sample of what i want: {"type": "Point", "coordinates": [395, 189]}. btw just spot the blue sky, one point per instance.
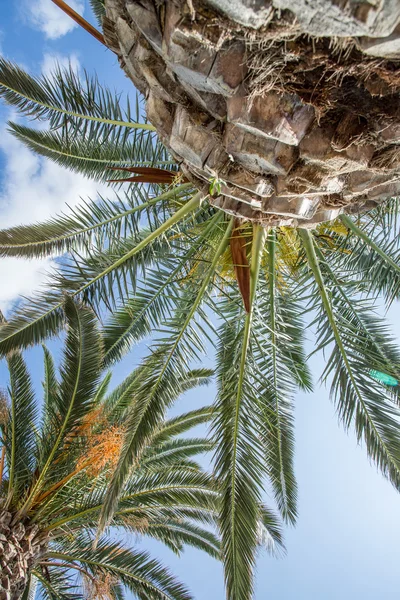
{"type": "Point", "coordinates": [345, 545]}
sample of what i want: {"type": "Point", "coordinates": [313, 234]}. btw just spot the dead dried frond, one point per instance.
{"type": "Point", "coordinates": [2, 463]}
{"type": "Point", "coordinates": [387, 159]}
{"type": "Point", "coordinates": [240, 263]}
{"type": "Point", "coordinates": [314, 68]}
{"type": "Point", "coordinates": [3, 407]}
{"type": "Point", "coordinates": [139, 524]}
{"type": "Point", "coordinates": [99, 587]}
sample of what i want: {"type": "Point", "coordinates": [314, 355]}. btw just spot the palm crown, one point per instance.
{"type": "Point", "coordinates": [55, 466]}
{"type": "Point", "coordinates": [167, 262]}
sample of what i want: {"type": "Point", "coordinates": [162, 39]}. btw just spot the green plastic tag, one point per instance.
{"type": "Point", "coordinates": [383, 378]}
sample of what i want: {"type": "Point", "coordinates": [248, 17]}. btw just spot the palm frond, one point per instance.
{"type": "Point", "coordinates": [102, 389]}
{"type": "Point", "coordinates": [120, 400]}
{"type": "Point", "coordinates": [358, 398]}
{"type": "Point", "coordinates": [51, 392]}
{"type": "Point", "coordinates": [372, 254]}
{"type": "Point", "coordinates": [175, 452]}
{"type": "Point", "coordinates": [32, 322]}
{"type": "Point", "coordinates": [143, 420]}
{"type": "Point", "coordinates": [143, 576]}
{"type": "Point", "coordinates": [99, 10]}
{"type": "Point", "coordinates": [238, 460]}
{"type": "Point", "coordinates": [79, 377]}
{"type": "Point", "coordinates": [50, 383]}
{"type": "Point", "coordinates": [181, 485]}
{"type": "Point", "coordinates": [60, 584]}
{"type": "Point", "coordinates": [157, 297]}
{"type": "Point", "coordinates": [20, 431]}
{"type": "Point", "coordinates": [67, 99]}
{"type": "Point", "coordinates": [270, 532]}
{"type": "Point", "coordinates": [373, 339]}
{"type": "Point", "coordinates": [175, 534]}
{"type": "Point", "coordinates": [173, 492]}
{"type": "Point", "coordinates": [92, 156]}
{"type": "Point", "coordinates": [182, 423]}
{"type": "Point", "coordinates": [41, 317]}
{"type": "Point", "coordinates": [166, 496]}
{"type": "Point", "coordinates": [99, 275]}
{"type": "Point", "coordinates": [159, 378]}
{"type": "Point", "coordinates": [93, 223]}
{"type": "Point", "coordinates": [281, 363]}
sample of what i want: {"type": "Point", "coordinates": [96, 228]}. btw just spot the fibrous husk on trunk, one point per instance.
{"type": "Point", "coordinates": [293, 106]}
{"type": "Point", "coordinates": [20, 548]}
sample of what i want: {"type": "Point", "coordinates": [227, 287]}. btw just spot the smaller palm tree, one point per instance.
{"type": "Point", "coordinates": [55, 465]}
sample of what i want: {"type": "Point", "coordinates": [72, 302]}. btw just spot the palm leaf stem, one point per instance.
{"type": "Point", "coordinates": [142, 206]}
{"type": "Point", "coordinates": [40, 504]}
{"type": "Point", "coordinates": [81, 21]}
{"type": "Point", "coordinates": [45, 143]}
{"type": "Point", "coordinates": [259, 234]}
{"type": "Point", "coordinates": [70, 113]}
{"type": "Point", "coordinates": [66, 565]}
{"type": "Point", "coordinates": [271, 246]}
{"type": "Point", "coordinates": [56, 486]}
{"type": "Point", "coordinates": [348, 222]}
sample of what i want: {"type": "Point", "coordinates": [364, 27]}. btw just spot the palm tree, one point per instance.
{"type": "Point", "coordinates": [55, 466]}
{"type": "Point", "coordinates": [170, 260]}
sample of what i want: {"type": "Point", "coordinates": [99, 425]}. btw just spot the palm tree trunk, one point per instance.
{"type": "Point", "coordinates": [20, 548]}
{"type": "Point", "coordinates": [292, 106]}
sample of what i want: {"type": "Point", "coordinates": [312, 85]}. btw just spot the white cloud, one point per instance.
{"type": "Point", "coordinates": [51, 60]}
{"type": "Point", "coordinates": [50, 19]}
{"type": "Point", "coordinates": [20, 279]}
{"type": "Point", "coordinates": [33, 189]}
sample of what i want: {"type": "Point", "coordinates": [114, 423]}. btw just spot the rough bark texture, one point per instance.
{"type": "Point", "coordinates": [20, 548]}
{"type": "Point", "coordinates": [293, 106]}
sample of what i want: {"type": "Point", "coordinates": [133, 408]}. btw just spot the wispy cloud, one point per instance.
{"type": "Point", "coordinates": [20, 280]}
{"type": "Point", "coordinates": [47, 17]}
{"type": "Point", "coordinates": [51, 60]}
{"type": "Point", "coordinates": [33, 189]}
